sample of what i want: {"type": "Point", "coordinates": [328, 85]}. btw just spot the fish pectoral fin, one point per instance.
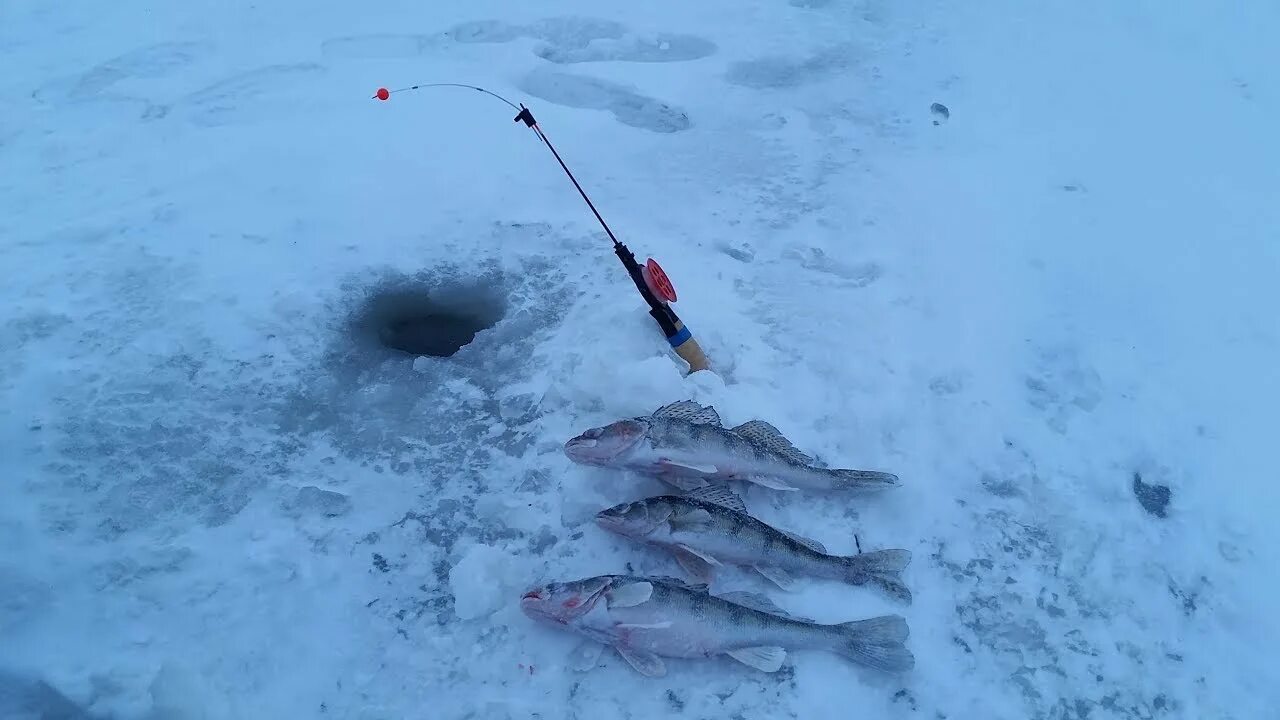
{"type": "Point", "coordinates": [585, 656]}
{"type": "Point", "coordinates": [777, 575]}
{"type": "Point", "coordinates": [693, 521]}
{"type": "Point", "coordinates": [645, 662]}
{"type": "Point", "coordinates": [705, 557]}
{"type": "Point", "coordinates": [644, 626]}
{"type": "Point", "coordinates": [685, 467]}
{"type": "Point", "coordinates": [767, 658]}
{"type": "Point", "coordinates": [770, 482]}
{"type": "Point", "coordinates": [698, 569]}
{"type": "Point", "coordinates": [694, 564]}
{"type": "Point", "coordinates": [630, 595]}
{"type": "Point", "coordinates": [684, 483]}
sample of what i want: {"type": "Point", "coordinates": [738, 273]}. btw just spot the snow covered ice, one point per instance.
{"type": "Point", "coordinates": [224, 497]}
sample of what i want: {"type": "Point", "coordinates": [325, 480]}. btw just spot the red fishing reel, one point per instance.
{"type": "Point", "coordinates": [658, 282]}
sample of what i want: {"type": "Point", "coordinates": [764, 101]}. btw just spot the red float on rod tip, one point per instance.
{"type": "Point", "coordinates": [382, 94]}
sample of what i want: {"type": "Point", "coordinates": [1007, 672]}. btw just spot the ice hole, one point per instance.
{"type": "Point", "coordinates": [431, 321]}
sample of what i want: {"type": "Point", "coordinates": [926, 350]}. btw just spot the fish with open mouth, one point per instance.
{"type": "Point", "coordinates": [684, 444]}
{"type": "Point", "coordinates": [648, 618]}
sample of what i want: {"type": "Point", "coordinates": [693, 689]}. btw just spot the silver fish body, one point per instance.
{"type": "Point", "coordinates": [711, 526]}
{"type": "Point", "coordinates": [646, 619]}
{"type": "Point", "coordinates": [685, 444]}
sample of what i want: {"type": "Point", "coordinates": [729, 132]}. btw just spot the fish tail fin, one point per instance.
{"type": "Point", "coordinates": [861, 479]}
{"type": "Point", "coordinates": [876, 643]}
{"type": "Point", "coordinates": [882, 568]}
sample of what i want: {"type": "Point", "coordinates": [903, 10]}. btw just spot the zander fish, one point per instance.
{"type": "Point", "coordinates": [685, 444]}
{"type": "Point", "coordinates": [711, 525]}
{"type": "Point", "coordinates": [646, 619]}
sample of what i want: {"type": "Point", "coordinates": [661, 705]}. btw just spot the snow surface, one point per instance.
{"type": "Point", "coordinates": [223, 499]}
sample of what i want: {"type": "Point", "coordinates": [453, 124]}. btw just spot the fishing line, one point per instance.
{"type": "Point", "coordinates": [385, 94]}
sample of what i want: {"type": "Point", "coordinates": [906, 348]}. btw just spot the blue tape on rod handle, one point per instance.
{"type": "Point", "coordinates": [679, 338]}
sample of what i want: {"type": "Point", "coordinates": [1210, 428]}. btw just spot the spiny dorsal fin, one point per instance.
{"type": "Point", "coordinates": [760, 432]}
{"type": "Point", "coordinates": [720, 495]}
{"type": "Point", "coordinates": [689, 411]}
{"type": "Point", "coordinates": [756, 601]}
{"type": "Point", "coordinates": [813, 545]}
{"type": "Point", "coordinates": [778, 576]}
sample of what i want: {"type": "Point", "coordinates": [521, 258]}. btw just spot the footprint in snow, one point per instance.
{"type": "Point", "coordinates": [627, 105]}
{"type": "Point", "coordinates": [564, 40]}
{"type": "Point", "coordinates": [147, 62]}
{"type": "Point", "coordinates": [781, 73]}
{"type": "Point", "coordinates": [859, 275]}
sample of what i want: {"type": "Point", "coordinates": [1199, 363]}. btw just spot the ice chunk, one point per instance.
{"type": "Point", "coordinates": [311, 500]}
{"type": "Point", "coordinates": [26, 697]}
{"type": "Point", "coordinates": [708, 387]}
{"type": "Point", "coordinates": [178, 693]}
{"type": "Point", "coordinates": [480, 581]}
{"type": "Point", "coordinates": [639, 387]}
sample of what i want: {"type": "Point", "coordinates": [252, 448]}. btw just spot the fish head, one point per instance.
{"type": "Point", "coordinates": [639, 519]}
{"type": "Point", "coordinates": [563, 603]}
{"type": "Point", "coordinates": [607, 446]}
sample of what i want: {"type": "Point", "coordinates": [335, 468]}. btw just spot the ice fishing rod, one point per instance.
{"type": "Point", "coordinates": [649, 279]}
